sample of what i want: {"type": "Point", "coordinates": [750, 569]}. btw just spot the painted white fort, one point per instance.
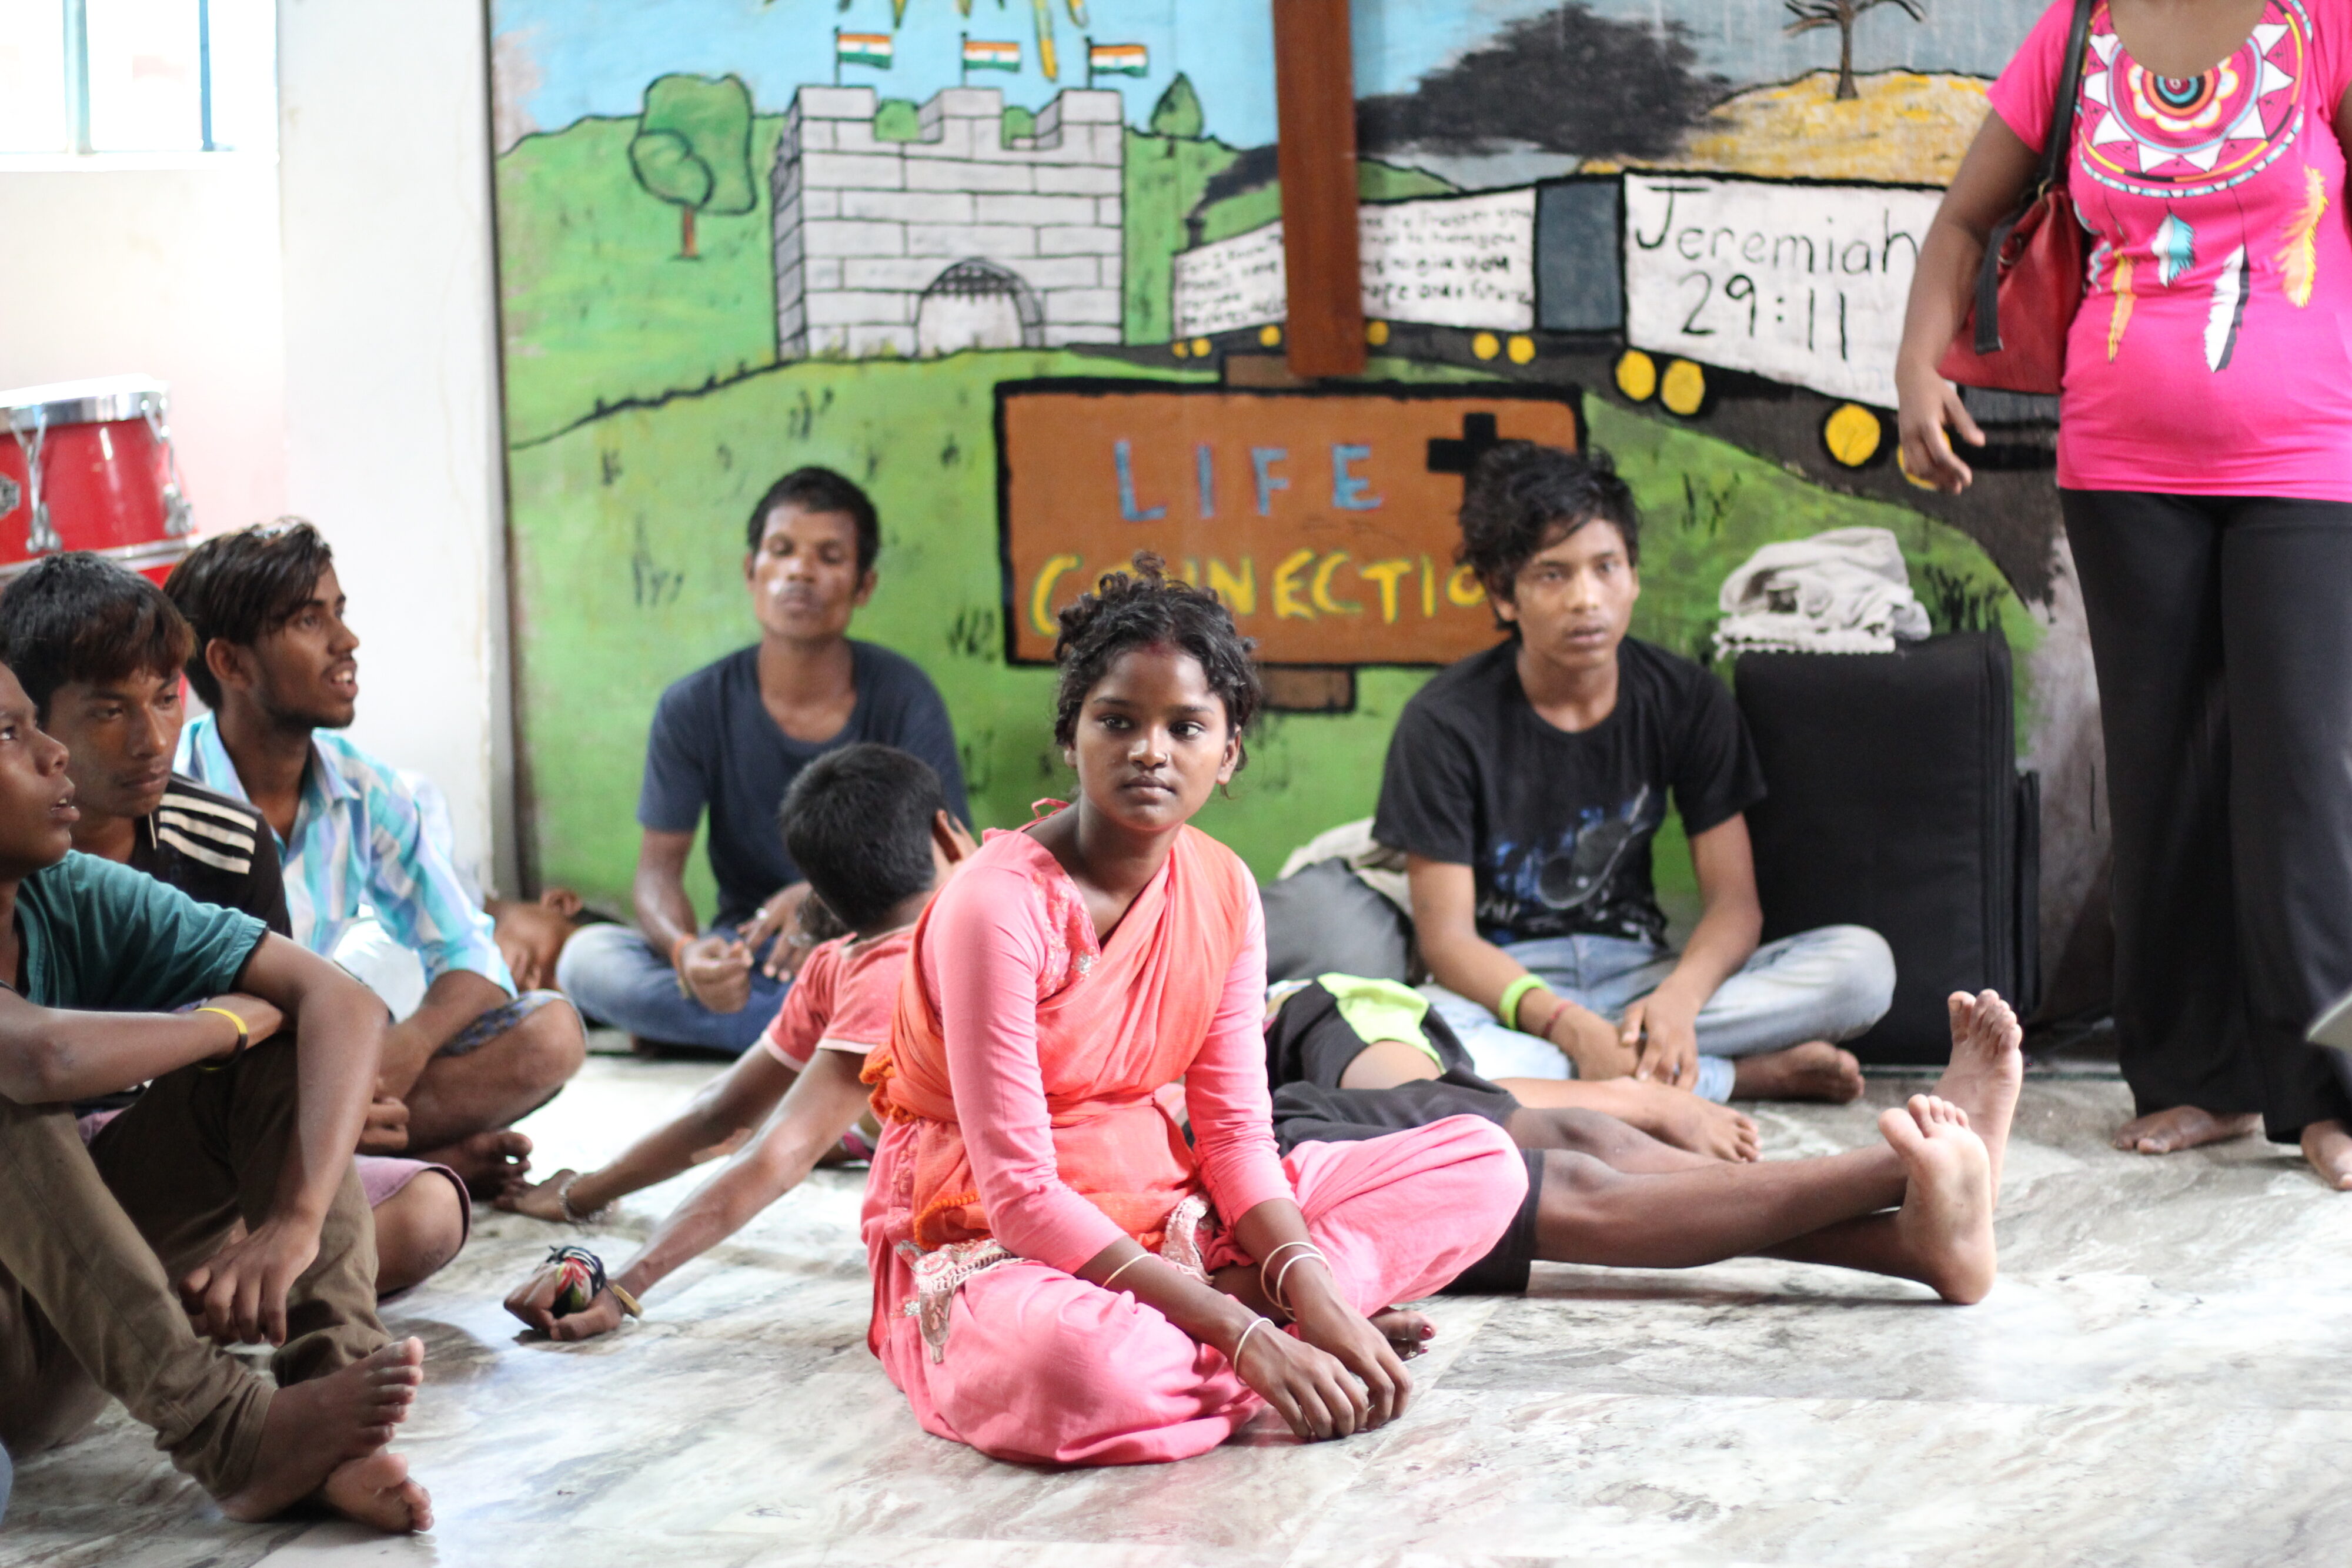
{"type": "Point", "coordinates": [963, 239]}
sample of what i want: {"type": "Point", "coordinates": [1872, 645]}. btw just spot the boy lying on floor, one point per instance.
{"type": "Point", "coordinates": [1602, 1192]}
{"type": "Point", "coordinates": [123, 1257]}
{"type": "Point", "coordinates": [869, 826]}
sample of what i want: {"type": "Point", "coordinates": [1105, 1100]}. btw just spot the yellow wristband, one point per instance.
{"type": "Point", "coordinates": [244, 1039]}
{"type": "Point", "coordinates": [1508, 1009]}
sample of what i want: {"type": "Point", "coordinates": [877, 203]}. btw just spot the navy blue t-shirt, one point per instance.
{"type": "Point", "coordinates": [713, 744]}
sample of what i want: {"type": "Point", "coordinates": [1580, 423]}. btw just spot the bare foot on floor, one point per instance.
{"type": "Point", "coordinates": [1987, 1067]}
{"type": "Point", "coordinates": [488, 1162]}
{"type": "Point", "coordinates": [1946, 1220]}
{"type": "Point", "coordinates": [377, 1490]}
{"type": "Point", "coordinates": [1408, 1333]}
{"type": "Point", "coordinates": [2182, 1127]}
{"type": "Point", "coordinates": [314, 1428]}
{"type": "Point", "coordinates": [2328, 1147]}
{"type": "Point", "coordinates": [1813, 1070]}
{"type": "Point", "coordinates": [1702, 1126]}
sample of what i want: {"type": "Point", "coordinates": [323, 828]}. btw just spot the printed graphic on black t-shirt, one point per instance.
{"type": "Point", "coordinates": [1557, 827]}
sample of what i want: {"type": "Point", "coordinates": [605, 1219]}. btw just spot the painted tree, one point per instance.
{"type": "Point", "coordinates": [1842, 15]}
{"type": "Point", "coordinates": [1178, 112]}
{"type": "Point", "coordinates": [693, 149]}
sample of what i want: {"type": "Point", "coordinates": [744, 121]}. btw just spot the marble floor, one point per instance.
{"type": "Point", "coordinates": [2163, 1376]}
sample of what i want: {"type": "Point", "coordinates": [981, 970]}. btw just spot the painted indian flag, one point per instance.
{"type": "Point", "coordinates": [990, 55]}
{"type": "Point", "coordinates": [863, 49]}
{"type": "Point", "coordinates": [1119, 59]}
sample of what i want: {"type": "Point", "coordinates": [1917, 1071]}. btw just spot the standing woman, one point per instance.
{"type": "Point", "coordinates": [2205, 468]}
{"type": "Point", "coordinates": [1059, 1276]}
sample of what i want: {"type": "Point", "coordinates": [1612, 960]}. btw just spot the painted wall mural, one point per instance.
{"type": "Point", "coordinates": [1018, 268]}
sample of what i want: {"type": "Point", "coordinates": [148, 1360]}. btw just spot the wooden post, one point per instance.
{"type": "Point", "coordinates": [1315, 97]}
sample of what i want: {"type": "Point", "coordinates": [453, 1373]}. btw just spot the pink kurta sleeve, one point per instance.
{"type": "Point", "coordinates": [1225, 1093]}
{"type": "Point", "coordinates": [984, 951]}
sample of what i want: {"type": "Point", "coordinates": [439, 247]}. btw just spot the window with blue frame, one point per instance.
{"type": "Point", "coordinates": [138, 75]}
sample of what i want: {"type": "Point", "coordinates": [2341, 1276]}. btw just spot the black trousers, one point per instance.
{"type": "Point", "coordinates": [2222, 630]}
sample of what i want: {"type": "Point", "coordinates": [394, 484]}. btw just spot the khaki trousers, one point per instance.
{"type": "Point", "coordinates": [92, 1241]}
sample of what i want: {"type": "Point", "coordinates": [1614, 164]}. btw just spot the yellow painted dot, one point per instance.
{"type": "Point", "coordinates": [1523, 349]}
{"type": "Point", "coordinates": [1683, 388]}
{"type": "Point", "coordinates": [1485, 345]}
{"type": "Point", "coordinates": [1269, 335]}
{"type": "Point", "coordinates": [1200, 348]}
{"type": "Point", "coordinates": [1853, 435]}
{"type": "Point", "coordinates": [1179, 350]}
{"type": "Point", "coordinates": [1637, 375]}
{"type": "Point", "coordinates": [1376, 333]}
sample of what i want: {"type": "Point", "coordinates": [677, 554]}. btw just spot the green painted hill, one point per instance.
{"type": "Point", "coordinates": [628, 562]}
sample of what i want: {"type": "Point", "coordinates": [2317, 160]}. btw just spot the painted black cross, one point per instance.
{"type": "Point", "coordinates": [1450, 457]}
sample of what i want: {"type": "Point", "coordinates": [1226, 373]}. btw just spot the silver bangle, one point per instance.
{"type": "Point", "coordinates": [1123, 1267]}
{"type": "Point", "coordinates": [1235, 1360]}
{"type": "Point", "coordinates": [1283, 1273]}
{"type": "Point", "coordinates": [1263, 1263]}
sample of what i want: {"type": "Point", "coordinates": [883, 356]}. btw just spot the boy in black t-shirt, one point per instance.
{"type": "Point", "coordinates": [1524, 785]}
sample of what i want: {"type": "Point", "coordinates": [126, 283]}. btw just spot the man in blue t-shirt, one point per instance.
{"type": "Point", "coordinates": [219, 1208]}
{"type": "Point", "coordinates": [729, 739]}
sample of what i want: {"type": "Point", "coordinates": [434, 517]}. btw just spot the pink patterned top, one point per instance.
{"type": "Point", "coordinates": [2214, 352]}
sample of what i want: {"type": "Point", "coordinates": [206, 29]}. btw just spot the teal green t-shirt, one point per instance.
{"type": "Point", "coordinates": [103, 938]}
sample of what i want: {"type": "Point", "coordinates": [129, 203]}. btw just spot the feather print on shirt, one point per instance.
{"type": "Point", "coordinates": [2175, 247]}
{"type": "Point", "coordinates": [2299, 258]}
{"type": "Point", "coordinates": [2228, 311]}
{"type": "Point", "coordinates": [2123, 290]}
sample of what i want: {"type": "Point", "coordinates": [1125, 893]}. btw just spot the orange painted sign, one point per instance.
{"type": "Point", "coordinates": [1326, 520]}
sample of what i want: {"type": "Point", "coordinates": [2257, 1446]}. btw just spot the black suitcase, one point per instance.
{"type": "Point", "coordinates": [1895, 804]}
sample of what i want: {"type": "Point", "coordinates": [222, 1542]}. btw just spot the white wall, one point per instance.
{"type": "Point", "coordinates": [167, 271]}
{"type": "Point", "coordinates": [327, 323]}
{"type": "Point", "coordinates": [391, 362]}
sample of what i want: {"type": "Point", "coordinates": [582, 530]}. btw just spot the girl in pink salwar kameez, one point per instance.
{"type": "Point", "coordinates": [1059, 1275]}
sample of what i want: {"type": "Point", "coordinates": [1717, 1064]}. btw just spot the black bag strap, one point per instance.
{"type": "Point", "coordinates": [2049, 176]}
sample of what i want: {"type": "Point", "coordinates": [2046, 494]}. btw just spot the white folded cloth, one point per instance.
{"type": "Point", "coordinates": [1843, 592]}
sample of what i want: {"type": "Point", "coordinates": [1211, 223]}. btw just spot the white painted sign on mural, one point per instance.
{"type": "Point", "coordinates": [1456, 261]}
{"type": "Point", "coordinates": [1446, 261]}
{"type": "Point", "coordinates": [1804, 284]}
{"type": "Point", "coordinates": [1235, 283]}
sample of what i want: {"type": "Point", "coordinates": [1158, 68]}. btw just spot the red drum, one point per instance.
{"type": "Point", "coordinates": [88, 465]}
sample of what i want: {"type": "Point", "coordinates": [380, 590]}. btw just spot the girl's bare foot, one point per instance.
{"type": "Point", "coordinates": [1813, 1070]}
{"type": "Point", "coordinates": [488, 1162]}
{"type": "Point", "coordinates": [2328, 1147]}
{"type": "Point", "coordinates": [2182, 1127]}
{"type": "Point", "coordinates": [1946, 1220]}
{"type": "Point", "coordinates": [376, 1491]}
{"type": "Point", "coordinates": [1987, 1070]}
{"type": "Point", "coordinates": [1408, 1333]}
{"type": "Point", "coordinates": [315, 1428]}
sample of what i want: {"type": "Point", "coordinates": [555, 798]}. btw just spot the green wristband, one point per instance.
{"type": "Point", "coordinates": [1508, 1009]}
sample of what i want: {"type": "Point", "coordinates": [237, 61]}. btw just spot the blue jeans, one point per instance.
{"type": "Point", "coordinates": [616, 979]}
{"type": "Point", "coordinates": [1829, 983]}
